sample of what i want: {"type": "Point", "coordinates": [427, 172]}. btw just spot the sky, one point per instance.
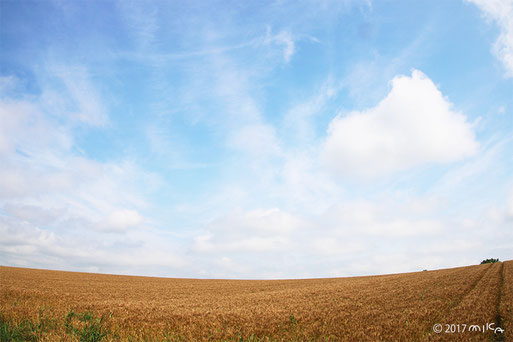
{"type": "Point", "coordinates": [255, 139]}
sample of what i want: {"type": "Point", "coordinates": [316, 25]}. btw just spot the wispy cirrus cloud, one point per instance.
{"type": "Point", "coordinates": [141, 19]}
{"type": "Point", "coordinates": [283, 38]}
{"type": "Point", "coordinates": [82, 103]}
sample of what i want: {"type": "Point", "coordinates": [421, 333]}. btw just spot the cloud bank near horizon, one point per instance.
{"type": "Point", "coordinates": [305, 141]}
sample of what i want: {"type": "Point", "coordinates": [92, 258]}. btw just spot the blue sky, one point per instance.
{"type": "Point", "coordinates": [270, 139]}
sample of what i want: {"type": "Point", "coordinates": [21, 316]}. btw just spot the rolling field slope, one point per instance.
{"type": "Point", "coordinates": [54, 305]}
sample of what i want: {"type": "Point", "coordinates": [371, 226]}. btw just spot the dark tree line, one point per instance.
{"type": "Point", "coordinates": [489, 261]}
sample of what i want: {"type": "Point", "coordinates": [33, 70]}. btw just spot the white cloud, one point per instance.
{"type": "Point", "coordinates": [374, 219]}
{"type": "Point", "coordinates": [509, 207]}
{"type": "Point", "coordinates": [21, 122]}
{"type": "Point", "coordinates": [57, 207]}
{"type": "Point", "coordinates": [284, 38]}
{"type": "Point", "coordinates": [335, 246]}
{"type": "Point", "coordinates": [24, 244]}
{"type": "Point", "coordinates": [82, 102]}
{"type": "Point", "coordinates": [120, 220]}
{"type": "Point", "coordinates": [258, 139]}
{"type": "Point", "coordinates": [270, 220]}
{"type": "Point", "coordinates": [240, 119]}
{"type": "Point", "coordinates": [51, 196]}
{"type": "Point", "coordinates": [504, 213]}
{"type": "Point", "coordinates": [7, 84]}
{"type": "Point", "coordinates": [500, 11]}
{"type": "Point", "coordinates": [413, 125]}
{"type": "Point", "coordinates": [251, 231]}
{"type": "Point", "coordinates": [474, 170]}
{"type": "Point", "coordinates": [299, 120]}
{"type": "Point", "coordinates": [141, 19]}
{"type": "Point", "coordinates": [38, 215]}
{"type": "Point", "coordinates": [304, 183]}
{"type": "Point", "coordinates": [232, 266]}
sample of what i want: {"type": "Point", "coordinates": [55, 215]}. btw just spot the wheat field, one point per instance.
{"type": "Point", "coordinates": [43, 305]}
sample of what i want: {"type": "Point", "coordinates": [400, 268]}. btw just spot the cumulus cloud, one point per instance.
{"type": "Point", "coordinates": [413, 125]}
{"type": "Point", "coordinates": [500, 11]}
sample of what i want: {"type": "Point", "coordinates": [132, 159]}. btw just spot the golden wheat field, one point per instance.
{"type": "Point", "coordinates": [44, 305]}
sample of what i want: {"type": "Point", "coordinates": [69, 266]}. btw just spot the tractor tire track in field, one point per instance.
{"type": "Point", "coordinates": [474, 285]}
{"type": "Point", "coordinates": [506, 302]}
{"type": "Point", "coordinates": [498, 319]}
{"type": "Point", "coordinates": [479, 306]}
